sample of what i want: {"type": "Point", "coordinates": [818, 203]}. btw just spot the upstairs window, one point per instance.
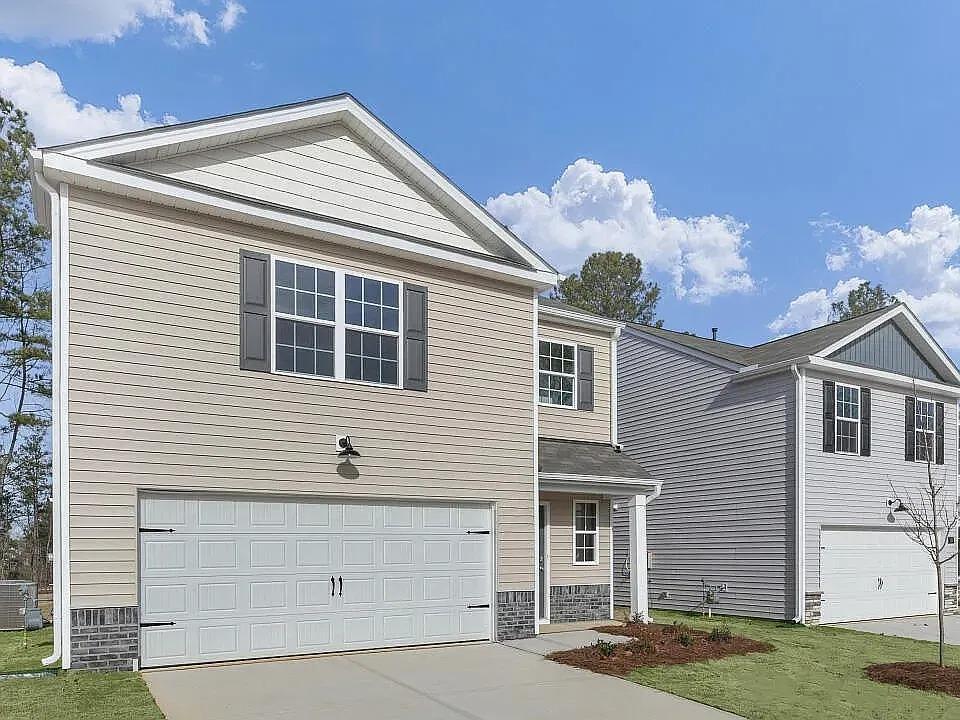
{"type": "Point", "coordinates": [925, 429]}
{"type": "Point", "coordinates": [557, 373]}
{"type": "Point", "coordinates": [586, 532]}
{"type": "Point", "coordinates": [848, 419]}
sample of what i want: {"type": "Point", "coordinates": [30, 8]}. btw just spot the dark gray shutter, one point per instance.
{"type": "Point", "coordinates": [865, 421]}
{"type": "Point", "coordinates": [414, 337]}
{"type": "Point", "coordinates": [829, 416]}
{"type": "Point", "coordinates": [909, 426]}
{"type": "Point", "coordinates": [254, 311]}
{"type": "Point", "coordinates": [584, 377]}
{"type": "Point", "coordinates": [939, 433]}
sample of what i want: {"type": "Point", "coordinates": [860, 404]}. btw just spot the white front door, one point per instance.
{"type": "Point", "coordinates": [870, 574]}
{"type": "Point", "coordinates": [225, 578]}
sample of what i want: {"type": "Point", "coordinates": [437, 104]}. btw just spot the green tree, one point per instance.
{"type": "Point", "coordinates": [24, 316]}
{"type": "Point", "coordinates": [862, 299]}
{"type": "Point", "coordinates": [30, 477]}
{"type": "Point", "coordinates": [612, 284]}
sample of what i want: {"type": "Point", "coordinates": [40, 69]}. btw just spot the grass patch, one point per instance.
{"type": "Point", "coordinates": [812, 672]}
{"type": "Point", "coordinates": [72, 695]}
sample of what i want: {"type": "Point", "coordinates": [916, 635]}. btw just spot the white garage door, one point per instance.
{"type": "Point", "coordinates": [869, 574]}
{"type": "Point", "coordinates": [224, 578]}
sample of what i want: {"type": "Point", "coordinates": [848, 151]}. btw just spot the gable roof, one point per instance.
{"type": "Point", "coordinates": [823, 342]}
{"type": "Point", "coordinates": [105, 163]}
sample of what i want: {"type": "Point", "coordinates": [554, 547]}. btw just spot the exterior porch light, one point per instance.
{"type": "Point", "coordinates": [346, 448]}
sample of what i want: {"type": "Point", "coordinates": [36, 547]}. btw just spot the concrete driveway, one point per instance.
{"type": "Point", "coordinates": [479, 682]}
{"type": "Point", "coordinates": [923, 627]}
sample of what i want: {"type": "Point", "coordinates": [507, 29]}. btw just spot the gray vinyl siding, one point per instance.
{"type": "Point", "coordinates": [888, 349]}
{"type": "Point", "coordinates": [725, 454]}
{"type": "Point", "coordinates": [850, 490]}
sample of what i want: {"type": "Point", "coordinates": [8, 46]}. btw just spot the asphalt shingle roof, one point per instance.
{"type": "Point", "coordinates": [575, 457]}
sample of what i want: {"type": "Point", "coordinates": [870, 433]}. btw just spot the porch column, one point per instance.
{"type": "Point", "coordinates": [639, 601]}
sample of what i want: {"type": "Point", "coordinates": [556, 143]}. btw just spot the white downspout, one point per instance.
{"type": "Point", "coordinates": [55, 415]}
{"type": "Point", "coordinates": [538, 611]}
{"type": "Point", "coordinates": [801, 489]}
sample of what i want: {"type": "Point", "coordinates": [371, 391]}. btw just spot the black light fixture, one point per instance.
{"type": "Point", "coordinates": [900, 507]}
{"type": "Point", "coordinates": [346, 448]}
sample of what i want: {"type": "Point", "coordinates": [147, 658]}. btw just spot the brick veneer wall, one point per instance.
{"type": "Point", "coordinates": [105, 638]}
{"type": "Point", "coordinates": [812, 607]}
{"type": "Point", "coordinates": [516, 611]}
{"type": "Point", "coordinates": [571, 603]}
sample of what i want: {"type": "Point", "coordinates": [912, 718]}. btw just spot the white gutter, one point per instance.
{"type": "Point", "coordinates": [55, 445]}
{"type": "Point", "coordinates": [614, 343]}
{"type": "Point", "coordinates": [801, 499]}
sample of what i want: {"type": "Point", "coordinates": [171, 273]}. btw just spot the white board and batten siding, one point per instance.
{"type": "Point", "coordinates": [724, 452]}
{"type": "Point", "coordinates": [230, 577]}
{"type": "Point", "coordinates": [570, 423]}
{"type": "Point", "coordinates": [157, 401]}
{"type": "Point", "coordinates": [848, 493]}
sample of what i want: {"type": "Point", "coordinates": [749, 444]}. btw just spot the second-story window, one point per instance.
{"type": "Point", "coordinates": [848, 419]}
{"type": "Point", "coordinates": [925, 430]}
{"type": "Point", "coordinates": [558, 374]}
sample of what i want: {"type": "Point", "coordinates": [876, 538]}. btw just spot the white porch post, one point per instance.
{"type": "Point", "coordinates": [639, 601]}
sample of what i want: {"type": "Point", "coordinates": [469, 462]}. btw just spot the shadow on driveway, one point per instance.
{"type": "Point", "coordinates": [922, 627]}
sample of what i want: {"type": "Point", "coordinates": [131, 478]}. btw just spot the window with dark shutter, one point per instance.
{"type": "Point", "coordinates": [909, 423]}
{"type": "Point", "coordinates": [414, 337]}
{"type": "Point", "coordinates": [939, 433]}
{"type": "Point", "coordinates": [865, 414]}
{"type": "Point", "coordinates": [254, 311]}
{"type": "Point", "coordinates": [584, 377]}
{"type": "Point", "coordinates": [829, 415]}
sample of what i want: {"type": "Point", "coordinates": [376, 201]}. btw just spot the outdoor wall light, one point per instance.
{"type": "Point", "coordinates": [345, 447]}
{"type": "Point", "coordinates": [900, 507]}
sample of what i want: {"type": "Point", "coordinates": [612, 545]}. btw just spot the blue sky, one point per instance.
{"type": "Point", "coordinates": [754, 139]}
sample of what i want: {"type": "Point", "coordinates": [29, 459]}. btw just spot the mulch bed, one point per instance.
{"type": "Point", "coordinates": [918, 675]}
{"type": "Point", "coordinates": [653, 645]}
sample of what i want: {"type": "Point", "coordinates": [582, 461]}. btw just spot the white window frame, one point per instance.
{"type": "Point", "coordinates": [837, 418]}
{"type": "Point", "coordinates": [932, 433]}
{"type": "Point", "coordinates": [339, 323]}
{"type": "Point", "coordinates": [595, 532]}
{"type": "Point", "coordinates": [576, 367]}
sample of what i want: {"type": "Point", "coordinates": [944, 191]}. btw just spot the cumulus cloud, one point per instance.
{"type": "Point", "coordinates": [812, 308]}
{"type": "Point", "coordinates": [919, 262]}
{"type": "Point", "coordinates": [839, 259]}
{"type": "Point", "coordinates": [589, 209]}
{"type": "Point", "coordinates": [230, 15]}
{"type": "Point", "coordinates": [60, 22]}
{"type": "Point", "coordinates": [56, 117]}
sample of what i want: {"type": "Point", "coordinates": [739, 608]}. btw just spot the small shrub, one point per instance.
{"type": "Point", "coordinates": [683, 633]}
{"type": "Point", "coordinates": [644, 645]}
{"type": "Point", "coordinates": [636, 619]}
{"type": "Point", "coordinates": [605, 647]}
{"type": "Point", "coordinates": [720, 634]}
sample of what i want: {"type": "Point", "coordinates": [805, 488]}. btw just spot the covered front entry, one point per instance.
{"type": "Point", "coordinates": [869, 574]}
{"type": "Point", "coordinates": [581, 484]}
{"type": "Point", "coordinates": [230, 577]}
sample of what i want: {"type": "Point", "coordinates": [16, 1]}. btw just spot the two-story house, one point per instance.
{"type": "Point", "coordinates": [298, 376]}
{"type": "Point", "coordinates": [780, 463]}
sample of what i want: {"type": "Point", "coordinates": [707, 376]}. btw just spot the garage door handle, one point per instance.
{"type": "Point", "coordinates": [333, 586]}
{"type": "Point", "coordinates": [478, 532]}
{"type": "Point", "coordinates": [157, 624]}
{"type": "Point", "coordinates": [474, 607]}
{"type": "Point", "coordinates": [341, 586]}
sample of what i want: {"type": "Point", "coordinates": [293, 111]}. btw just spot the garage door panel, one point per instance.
{"type": "Point", "coordinates": [245, 578]}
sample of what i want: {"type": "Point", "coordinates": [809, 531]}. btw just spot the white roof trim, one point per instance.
{"type": "Point", "coordinates": [599, 485]}
{"type": "Point", "coordinates": [343, 109]}
{"type": "Point", "coordinates": [75, 171]}
{"type": "Point", "coordinates": [584, 319]}
{"type": "Point", "coordinates": [915, 331]}
{"type": "Point", "coordinates": [903, 381]}
{"type": "Point", "coordinates": [679, 347]}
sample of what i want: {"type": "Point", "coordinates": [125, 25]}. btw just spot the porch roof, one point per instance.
{"type": "Point", "coordinates": [591, 466]}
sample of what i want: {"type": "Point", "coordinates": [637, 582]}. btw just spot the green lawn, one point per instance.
{"type": "Point", "coordinates": [71, 695]}
{"type": "Point", "coordinates": [813, 673]}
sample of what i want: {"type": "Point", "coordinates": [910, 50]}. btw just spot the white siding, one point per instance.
{"type": "Point", "coordinates": [850, 490]}
{"type": "Point", "coordinates": [323, 170]}
{"type": "Point", "coordinates": [724, 452]}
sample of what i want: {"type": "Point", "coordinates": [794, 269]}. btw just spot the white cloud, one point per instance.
{"type": "Point", "coordinates": [230, 16]}
{"type": "Point", "coordinates": [64, 21]}
{"type": "Point", "coordinates": [589, 209]}
{"type": "Point", "coordinates": [839, 259]}
{"type": "Point", "coordinates": [919, 262]}
{"type": "Point", "coordinates": [812, 308]}
{"type": "Point", "coordinates": [56, 117]}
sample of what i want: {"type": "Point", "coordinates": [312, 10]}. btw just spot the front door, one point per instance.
{"type": "Point", "coordinates": [543, 561]}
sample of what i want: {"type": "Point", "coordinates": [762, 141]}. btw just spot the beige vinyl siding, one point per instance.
{"type": "Point", "coordinates": [563, 570]}
{"type": "Point", "coordinates": [324, 170]}
{"type": "Point", "coordinates": [851, 490]}
{"type": "Point", "coordinates": [569, 423]}
{"type": "Point", "coordinates": [725, 454]}
{"type": "Point", "coordinates": [157, 400]}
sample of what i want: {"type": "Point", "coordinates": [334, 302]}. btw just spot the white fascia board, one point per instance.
{"type": "Point", "coordinates": [754, 371]}
{"type": "Point", "coordinates": [343, 109]}
{"type": "Point", "coordinates": [569, 317]}
{"type": "Point", "coordinates": [599, 485]}
{"type": "Point", "coordinates": [914, 329]}
{"type": "Point", "coordinates": [679, 347]}
{"type": "Point", "coordinates": [895, 379]}
{"type": "Point", "coordinates": [105, 178]}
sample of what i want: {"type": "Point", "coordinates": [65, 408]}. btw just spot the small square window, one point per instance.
{"type": "Point", "coordinates": [586, 531]}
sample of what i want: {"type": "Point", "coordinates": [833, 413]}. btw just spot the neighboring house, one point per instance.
{"type": "Point", "coordinates": [753, 524]}
{"type": "Point", "coordinates": [297, 381]}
